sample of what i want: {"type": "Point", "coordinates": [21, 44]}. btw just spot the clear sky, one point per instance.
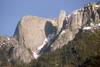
{"type": "Point", "coordinates": [12, 10]}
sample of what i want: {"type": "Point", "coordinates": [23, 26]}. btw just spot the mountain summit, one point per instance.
{"type": "Point", "coordinates": [40, 35]}
{"type": "Point", "coordinates": [35, 35]}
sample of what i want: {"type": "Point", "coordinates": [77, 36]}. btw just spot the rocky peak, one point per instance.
{"type": "Point", "coordinates": [37, 35]}
{"type": "Point", "coordinates": [60, 19]}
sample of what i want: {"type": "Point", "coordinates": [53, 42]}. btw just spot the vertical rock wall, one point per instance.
{"type": "Point", "coordinates": [32, 32]}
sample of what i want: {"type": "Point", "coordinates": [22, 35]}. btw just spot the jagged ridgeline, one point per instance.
{"type": "Point", "coordinates": [66, 41]}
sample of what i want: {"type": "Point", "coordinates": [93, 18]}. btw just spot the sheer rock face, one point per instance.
{"type": "Point", "coordinates": [30, 35]}
{"type": "Point", "coordinates": [76, 21]}
{"type": "Point", "coordinates": [60, 19]}
{"type": "Point", "coordinates": [74, 24]}
{"type": "Point", "coordinates": [32, 31]}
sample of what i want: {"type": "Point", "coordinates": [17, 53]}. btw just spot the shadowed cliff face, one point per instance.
{"type": "Point", "coordinates": [50, 29]}
{"type": "Point", "coordinates": [38, 35]}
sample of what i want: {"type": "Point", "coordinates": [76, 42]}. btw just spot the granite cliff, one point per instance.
{"type": "Point", "coordinates": [36, 35]}
{"type": "Point", "coordinates": [39, 35]}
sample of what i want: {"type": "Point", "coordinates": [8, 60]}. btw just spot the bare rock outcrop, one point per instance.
{"type": "Point", "coordinates": [30, 32]}
{"type": "Point", "coordinates": [36, 35]}
{"type": "Point", "coordinates": [78, 20]}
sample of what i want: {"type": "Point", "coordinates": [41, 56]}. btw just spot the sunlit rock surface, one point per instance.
{"type": "Point", "coordinates": [36, 35]}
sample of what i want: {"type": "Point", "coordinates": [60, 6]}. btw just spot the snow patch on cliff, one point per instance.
{"type": "Point", "coordinates": [46, 40]}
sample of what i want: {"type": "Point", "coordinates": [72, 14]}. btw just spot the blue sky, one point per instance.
{"type": "Point", "coordinates": [12, 10]}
